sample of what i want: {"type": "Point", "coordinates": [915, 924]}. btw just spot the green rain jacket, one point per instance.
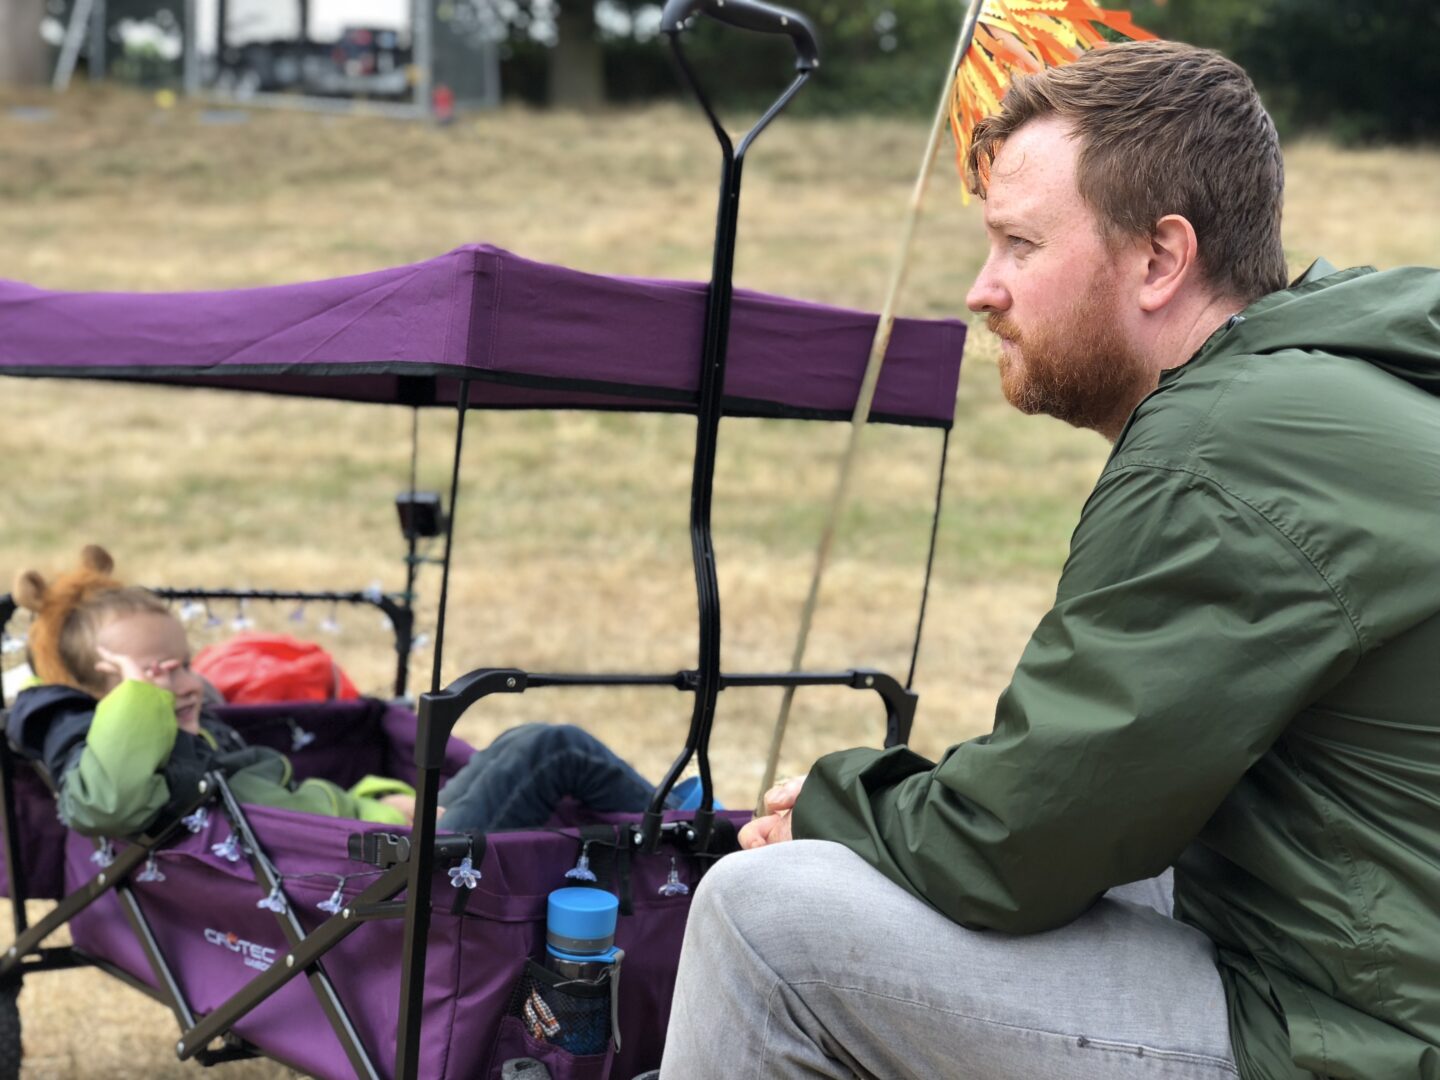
{"type": "Point", "coordinates": [1241, 677]}
{"type": "Point", "coordinates": [117, 785]}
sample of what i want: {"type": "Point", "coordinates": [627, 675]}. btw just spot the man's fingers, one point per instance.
{"type": "Point", "coordinates": [783, 795]}
{"type": "Point", "coordinates": [763, 831]}
{"type": "Point", "coordinates": [756, 832]}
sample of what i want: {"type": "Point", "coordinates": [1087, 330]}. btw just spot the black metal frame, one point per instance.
{"type": "Point", "coordinates": [409, 865]}
{"type": "Point", "coordinates": [397, 608]}
{"type": "Point", "coordinates": [27, 955]}
{"type": "Point", "coordinates": [402, 621]}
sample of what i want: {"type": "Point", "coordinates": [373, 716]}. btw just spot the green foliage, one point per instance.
{"type": "Point", "coordinates": [1358, 72]}
{"type": "Point", "coordinates": [877, 56]}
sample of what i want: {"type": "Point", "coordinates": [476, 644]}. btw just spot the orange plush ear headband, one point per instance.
{"type": "Point", "coordinates": [51, 604]}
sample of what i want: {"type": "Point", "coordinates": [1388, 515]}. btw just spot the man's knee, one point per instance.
{"type": "Point", "coordinates": [785, 895]}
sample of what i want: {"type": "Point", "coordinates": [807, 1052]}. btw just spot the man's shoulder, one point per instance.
{"type": "Point", "coordinates": [1238, 414]}
{"type": "Point", "coordinates": [1338, 456]}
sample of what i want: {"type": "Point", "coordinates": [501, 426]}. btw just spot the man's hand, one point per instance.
{"type": "Point", "coordinates": [773, 826]}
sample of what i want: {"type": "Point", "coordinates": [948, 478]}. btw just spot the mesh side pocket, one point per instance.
{"type": "Point", "coordinates": [571, 1014]}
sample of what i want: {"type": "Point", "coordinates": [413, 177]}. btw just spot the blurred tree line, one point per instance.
{"type": "Point", "coordinates": [1358, 71]}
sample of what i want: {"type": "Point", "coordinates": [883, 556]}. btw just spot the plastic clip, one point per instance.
{"type": "Point", "coordinates": [465, 875]}
{"type": "Point", "coordinates": [228, 849]}
{"type": "Point", "coordinates": [336, 901]}
{"type": "Point", "coordinates": [274, 902]}
{"type": "Point", "coordinates": [242, 620]}
{"type": "Point", "coordinates": [299, 737]}
{"type": "Point", "coordinates": [673, 885]}
{"type": "Point", "coordinates": [104, 853]}
{"type": "Point", "coordinates": [581, 870]}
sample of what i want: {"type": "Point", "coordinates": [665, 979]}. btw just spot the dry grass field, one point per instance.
{"type": "Point", "coordinates": [571, 550]}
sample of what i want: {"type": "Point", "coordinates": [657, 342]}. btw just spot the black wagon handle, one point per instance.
{"type": "Point", "coordinates": [710, 406]}
{"type": "Point", "coordinates": [750, 15]}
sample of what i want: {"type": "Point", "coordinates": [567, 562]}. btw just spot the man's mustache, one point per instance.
{"type": "Point", "coordinates": [1002, 326]}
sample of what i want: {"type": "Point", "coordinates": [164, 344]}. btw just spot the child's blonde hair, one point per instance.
{"type": "Point", "coordinates": [85, 621]}
{"type": "Point", "coordinates": [69, 613]}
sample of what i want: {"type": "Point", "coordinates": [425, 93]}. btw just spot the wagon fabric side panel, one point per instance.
{"type": "Point", "coordinates": [205, 917]}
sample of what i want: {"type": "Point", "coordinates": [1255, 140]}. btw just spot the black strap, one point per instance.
{"type": "Point", "coordinates": [724, 839]}
{"type": "Point", "coordinates": [622, 879]}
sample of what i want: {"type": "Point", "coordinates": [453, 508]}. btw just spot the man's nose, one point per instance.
{"type": "Point", "coordinates": [987, 293]}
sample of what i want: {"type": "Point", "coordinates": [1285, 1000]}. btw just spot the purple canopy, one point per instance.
{"type": "Point", "coordinates": [526, 334]}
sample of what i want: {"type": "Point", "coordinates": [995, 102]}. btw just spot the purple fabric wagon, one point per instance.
{"type": "Point", "coordinates": [525, 335]}
{"type": "Point", "coordinates": [431, 965]}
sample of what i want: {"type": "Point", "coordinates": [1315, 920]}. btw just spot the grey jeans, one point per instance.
{"type": "Point", "coordinates": [802, 961]}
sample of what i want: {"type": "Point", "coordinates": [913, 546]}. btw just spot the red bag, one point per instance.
{"type": "Point", "coordinates": [250, 669]}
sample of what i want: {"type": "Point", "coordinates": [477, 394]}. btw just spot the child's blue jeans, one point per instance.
{"type": "Point", "coordinates": [517, 781]}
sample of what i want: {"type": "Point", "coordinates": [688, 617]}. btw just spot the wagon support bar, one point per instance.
{"type": "Point", "coordinates": [324, 990]}
{"type": "Point", "coordinates": [439, 712]}
{"type": "Point", "coordinates": [299, 959]}
{"type": "Point", "coordinates": [106, 879]}
{"type": "Point", "coordinates": [397, 609]}
{"type": "Point", "coordinates": [766, 18]}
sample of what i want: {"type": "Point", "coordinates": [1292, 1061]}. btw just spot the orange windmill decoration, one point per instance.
{"type": "Point", "coordinates": [1019, 37]}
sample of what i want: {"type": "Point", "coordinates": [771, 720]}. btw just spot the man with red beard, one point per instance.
{"type": "Point", "coordinates": [1237, 679]}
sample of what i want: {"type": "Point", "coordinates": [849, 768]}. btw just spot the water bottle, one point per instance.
{"type": "Point", "coordinates": [580, 949]}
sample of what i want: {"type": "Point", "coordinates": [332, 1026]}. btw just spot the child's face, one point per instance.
{"type": "Point", "coordinates": [157, 645]}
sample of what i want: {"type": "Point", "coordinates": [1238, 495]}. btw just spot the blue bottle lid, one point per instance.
{"type": "Point", "coordinates": [581, 922]}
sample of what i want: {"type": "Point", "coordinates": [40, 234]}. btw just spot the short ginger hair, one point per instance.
{"type": "Point", "coordinates": [1164, 128]}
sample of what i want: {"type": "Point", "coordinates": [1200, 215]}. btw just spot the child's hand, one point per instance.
{"type": "Point", "coordinates": [127, 667]}
{"type": "Point", "coordinates": [404, 803]}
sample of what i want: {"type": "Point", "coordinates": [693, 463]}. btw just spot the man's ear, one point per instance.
{"type": "Point", "coordinates": [1173, 261]}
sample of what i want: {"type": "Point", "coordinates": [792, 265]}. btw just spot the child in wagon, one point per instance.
{"type": "Point", "coordinates": [122, 724]}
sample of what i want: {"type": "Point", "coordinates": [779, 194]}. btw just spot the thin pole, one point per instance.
{"type": "Point", "coordinates": [462, 403]}
{"type": "Point", "coordinates": [929, 560]}
{"type": "Point", "coordinates": [70, 47]}
{"type": "Point", "coordinates": [861, 415]}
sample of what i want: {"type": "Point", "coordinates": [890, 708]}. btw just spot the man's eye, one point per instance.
{"type": "Point", "coordinates": [1018, 242]}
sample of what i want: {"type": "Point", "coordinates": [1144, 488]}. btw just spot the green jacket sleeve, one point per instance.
{"type": "Point", "coordinates": [266, 781]}
{"type": "Point", "coordinates": [1186, 633]}
{"type": "Point", "coordinates": [115, 787]}
{"type": "Point", "coordinates": [318, 796]}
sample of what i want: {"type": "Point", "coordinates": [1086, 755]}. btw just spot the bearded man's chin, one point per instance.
{"type": "Point", "coordinates": [1021, 396]}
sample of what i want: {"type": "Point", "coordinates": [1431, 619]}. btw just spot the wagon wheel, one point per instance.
{"type": "Point", "coordinates": [10, 1029]}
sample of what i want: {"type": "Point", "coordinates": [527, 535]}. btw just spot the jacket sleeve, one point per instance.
{"type": "Point", "coordinates": [1186, 633]}
{"type": "Point", "coordinates": [324, 797]}
{"type": "Point", "coordinates": [115, 787]}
